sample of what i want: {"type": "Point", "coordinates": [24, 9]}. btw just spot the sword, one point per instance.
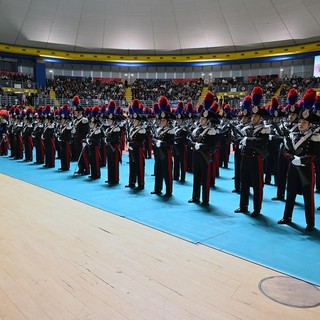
{"type": "Point", "coordinates": [79, 158]}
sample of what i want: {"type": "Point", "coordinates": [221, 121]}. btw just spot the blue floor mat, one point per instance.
{"type": "Point", "coordinates": [290, 250]}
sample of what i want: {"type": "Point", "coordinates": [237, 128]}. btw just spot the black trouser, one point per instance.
{"type": "Point", "coordinates": [83, 160]}
{"type": "Point", "coordinates": [237, 164]}
{"type": "Point", "coordinates": [95, 161]}
{"type": "Point", "coordinates": [49, 152]}
{"type": "Point", "coordinates": [295, 186]}
{"type": "Point", "coordinates": [163, 170]}
{"type": "Point", "coordinates": [65, 155]}
{"type": "Point", "coordinates": [202, 174]}
{"type": "Point", "coordinates": [113, 160]}
{"type": "Point", "coordinates": [136, 166]}
{"type": "Point", "coordinates": [251, 176]}
{"type": "Point", "coordinates": [180, 161]}
{"type": "Point", "coordinates": [282, 172]}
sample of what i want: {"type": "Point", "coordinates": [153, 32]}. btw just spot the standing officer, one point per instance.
{"type": "Point", "coordinates": [36, 136]}
{"type": "Point", "coordinates": [26, 135]}
{"type": "Point", "coordinates": [136, 139]}
{"type": "Point", "coordinates": [286, 127]}
{"type": "Point", "coordinates": [4, 118]}
{"type": "Point", "coordinates": [80, 131]}
{"type": "Point", "coordinates": [302, 149]}
{"type": "Point", "coordinates": [162, 143]}
{"type": "Point", "coordinates": [253, 146]}
{"type": "Point", "coordinates": [237, 136]}
{"type": "Point", "coordinates": [204, 139]}
{"type": "Point", "coordinates": [64, 138]}
{"type": "Point", "coordinates": [112, 138]}
{"type": "Point", "coordinates": [48, 141]}
{"type": "Point", "coordinates": [93, 141]}
{"type": "Point", "coordinates": [180, 145]}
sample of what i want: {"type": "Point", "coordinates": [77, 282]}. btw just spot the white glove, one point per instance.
{"type": "Point", "coordinates": [243, 142]}
{"type": "Point", "coordinates": [271, 137]}
{"type": "Point", "coordinates": [158, 144]}
{"type": "Point", "coordinates": [83, 144]}
{"type": "Point", "coordinates": [297, 161]}
{"type": "Point", "coordinates": [129, 147]}
{"type": "Point", "coordinates": [213, 132]}
{"type": "Point", "coordinates": [197, 146]}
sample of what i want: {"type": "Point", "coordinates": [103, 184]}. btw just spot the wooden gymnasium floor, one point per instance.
{"type": "Point", "coordinates": [61, 259]}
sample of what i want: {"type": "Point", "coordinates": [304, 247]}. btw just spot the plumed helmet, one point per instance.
{"type": "Point", "coordinates": [163, 103]}
{"type": "Point", "coordinates": [180, 108]}
{"type": "Point", "coordinates": [292, 97]}
{"type": "Point", "coordinates": [103, 109]}
{"type": "Point", "coordinates": [280, 112]}
{"type": "Point", "coordinates": [246, 106]}
{"type": "Point", "coordinates": [227, 111]}
{"type": "Point", "coordinates": [309, 98]}
{"type": "Point", "coordinates": [256, 94]}
{"type": "Point", "coordinates": [214, 107]}
{"type": "Point", "coordinates": [95, 111]}
{"type": "Point", "coordinates": [135, 106]}
{"type": "Point", "coordinates": [156, 108]}
{"type": "Point", "coordinates": [208, 100]}
{"type": "Point", "coordinates": [75, 101]}
{"type": "Point", "coordinates": [47, 109]}
{"type": "Point", "coordinates": [261, 111]}
{"type": "Point", "coordinates": [111, 106]}
{"type": "Point", "coordinates": [210, 114]}
{"type": "Point", "coordinates": [200, 108]}
{"type": "Point", "coordinates": [317, 106]}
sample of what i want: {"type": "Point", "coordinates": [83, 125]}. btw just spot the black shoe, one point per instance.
{"type": "Point", "coordinates": [182, 180]}
{"type": "Point", "coordinates": [284, 221]}
{"type": "Point", "coordinates": [94, 177]}
{"type": "Point", "coordinates": [204, 203]}
{"type": "Point", "coordinates": [85, 173]}
{"type": "Point", "coordinates": [236, 190]}
{"type": "Point", "coordinates": [112, 182]}
{"type": "Point", "coordinates": [280, 198]}
{"type": "Point", "coordinates": [155, 192]}
{"type": "Point", "coordinates": [130, 185]}
{"type": "Point", "coordinates": [194, 201]}
{"type": "Point", "coordinates": [255, 214]}
{"type": "Point", "coordinates": [63, 169]}
{"type": "Point", "coordinates": [309, 227]}
{"type": "Point", "coordinates": [138, 188]}
{"type": "Point", "coordinates": [241, 210]}
{"type": "Point", "coordinates": [167, 195]}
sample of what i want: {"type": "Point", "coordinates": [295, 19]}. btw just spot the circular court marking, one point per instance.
{"type": "Point", "coordinates": [290, 291]}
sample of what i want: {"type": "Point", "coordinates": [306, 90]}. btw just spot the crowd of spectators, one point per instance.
{"type": "Point", "coordinates": [270, 84]}
{"type": "Point", "coordinates": [149, 90]}
{"type": "Point", "coordinates": [174, 90]}
{"type": "Point", "coordinates": [299, 83]}
{"type": "Point", "coordinates": [86, 88]}
{"type": "Point", "coordinates": [15, 76]}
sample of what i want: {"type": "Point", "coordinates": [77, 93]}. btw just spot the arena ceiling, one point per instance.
{"type": "Point", "coordinates": [158, 26]}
